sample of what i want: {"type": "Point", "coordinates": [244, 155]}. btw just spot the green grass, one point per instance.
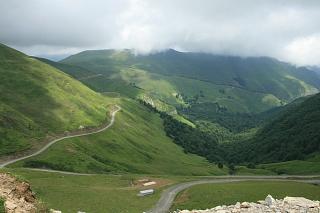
{"type": "Point", "coordinates": [295, 167]}
{"type": "Point", "coordinates": [243, 170]}
{"type": "Point", "coordinates": [94, 194]}
{"type": "Point", "coordinates": [211, 195]}
{"type": "Point", "coordinates": [38, 100]}
{"type": "Point", "coordinates": [2, 210]}
{"type": "Point", "coordinates": [136, 143]}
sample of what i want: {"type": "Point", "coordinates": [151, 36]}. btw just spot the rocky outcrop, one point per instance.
{"type": "Point", "coordinates": [286, 205]}
{"type": "Point", "coordinates": [17, 195]}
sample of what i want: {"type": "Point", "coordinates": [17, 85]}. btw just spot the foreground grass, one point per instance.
{"type": "Point", "coordinates": [136, 143]}
{"type": "Point", "coordinates": [94, 194]}
{"type": "Point", "coordinates": [211, 195]}
{"type": "Point", "coordinates": [2, 210]}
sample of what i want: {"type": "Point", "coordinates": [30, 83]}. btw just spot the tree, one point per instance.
{"type": "Point", "coordinates": [232, 169]}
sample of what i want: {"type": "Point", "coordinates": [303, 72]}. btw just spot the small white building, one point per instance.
{"type": "Point", "coordinates": [146, 192]}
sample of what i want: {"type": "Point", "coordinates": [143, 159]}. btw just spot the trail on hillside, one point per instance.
{"type": "Point", "coordinates": [89, 132]}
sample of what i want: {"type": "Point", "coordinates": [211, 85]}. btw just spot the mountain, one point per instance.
{"type": "Point", "coordinates": [292, 135]}
{"type": "Point", "coordinates": [38, 101]}
{"type": "Point", "coordinates": [255, 74]}
{"type": "Point", "coordinates": [226, 90]}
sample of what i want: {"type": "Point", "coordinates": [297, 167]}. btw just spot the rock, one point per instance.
{"type": "Point", "coordinates": [55, 211]}
{"type": "Point", "coordinates": [237, 205]}
{"type": "Point", "coordinates": [269, 200]}
{"type": "Point", "coordinates": [300, 201]}
{"type": "Point", "coordinates": [261, 201]}
{"type": "Point", "coordinates": [222, 211]}
{"type": "Point", "coordinates": [245, 205]}
{"type": "Point", "coordinates": [9, 205]}
{"type": "Point", "coordinates": [17, 195]}
{"type": "Point", "coordinates": [217, 208]}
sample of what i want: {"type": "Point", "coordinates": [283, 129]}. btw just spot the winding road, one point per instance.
{"type": "Point", "coordinates": [168, 195]}
{"type": "Point", "coordinates": [62, 138]}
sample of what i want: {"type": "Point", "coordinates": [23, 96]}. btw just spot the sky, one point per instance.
{"type": "Point", "coordinates": [288, 30]}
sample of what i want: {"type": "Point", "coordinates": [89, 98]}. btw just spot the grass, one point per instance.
{"type": "Point", "coordinates": [38, 100]}
{"type": "Point", "coordinates": [211, 195]}
{"type": "Point", "coordinates": [2, 210]}
{"type": "Point", "coordinates": [295, 167]}
{"type": "Point", "coordinates": [94, 194]}
{"type": "Point", "coordinates": [136, 143]}
{"type": "Point", "coordinates": [310, 166]}
{"type": "Point", "coordinates": [243, 170]}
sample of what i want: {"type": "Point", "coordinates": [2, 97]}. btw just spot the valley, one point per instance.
{"type": "Point", "coordinates": [97, 122]}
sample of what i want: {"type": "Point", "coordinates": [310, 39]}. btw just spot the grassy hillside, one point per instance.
{"type": "Point", "coordinates": [136, 143]}
{"type": "Point", "coordinates": [293, 135]}
{"type": "Point", "coordinates": [38, 100]}
{"type": "Point", "coordinates": [309, 166]}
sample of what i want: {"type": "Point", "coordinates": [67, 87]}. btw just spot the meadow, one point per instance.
{"type": "Point", "coordinates": [94, 193]}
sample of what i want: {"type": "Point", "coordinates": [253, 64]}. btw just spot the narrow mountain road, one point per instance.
{"type": "Point", "coordinates": [168, 196]}
{"type": "Point", "coordinates": [62, 138]}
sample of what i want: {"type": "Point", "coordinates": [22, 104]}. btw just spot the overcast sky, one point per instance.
{"type": "Point", "coordinates": [285, 29]}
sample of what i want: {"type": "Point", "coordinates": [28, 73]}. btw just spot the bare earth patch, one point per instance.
{"type": "Point", "coordinates": [17, 195]}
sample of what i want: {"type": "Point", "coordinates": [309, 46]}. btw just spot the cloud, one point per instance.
{"type": "Point", "coordinates": [288, 30]}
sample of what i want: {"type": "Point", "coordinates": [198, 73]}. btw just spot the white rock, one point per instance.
{"type": "Point", "coordinates": [55, 211]}
{"type": "Point", "coordinates": [237, 205]}
{"type": "Point", "coordinates": [269, 200]}
{"type": "Point", "coordinates": [10, 205]}
{"type": "Point", "coordinates": [245, 205]}
{"type": "Point", "coordinates": [300, 201]}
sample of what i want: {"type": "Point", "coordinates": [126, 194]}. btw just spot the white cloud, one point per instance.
{"type": "Point", "coordinates": [286, 29]}
{"type": "Point", "coordinates": [304, 50]}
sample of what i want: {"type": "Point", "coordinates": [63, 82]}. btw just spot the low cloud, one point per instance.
{"type": "Point", "coordinates": [287, 30]}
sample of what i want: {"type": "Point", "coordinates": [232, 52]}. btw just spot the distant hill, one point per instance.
{"type": "Point", "coordinates": [38, 100]}
{"type": "Point", "coordinates": [260, 74]}
{"type": "Point", "coordinates": [220, 89]}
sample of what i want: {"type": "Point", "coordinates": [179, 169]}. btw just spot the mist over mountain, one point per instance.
{"type": "Point", "coordinates": [239, 28]}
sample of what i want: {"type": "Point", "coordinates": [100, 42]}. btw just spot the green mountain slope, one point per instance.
{"type": "Point", "coordinates": [38, 100]}
{"type": "Point", "coordinates": [262, 75]}
{"type": "Point", "coordinates": [197, 85]}
{"type": "Point", "coordinates": [292, 135]}
{"type": "Point", "coordinates": [137, 143]}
